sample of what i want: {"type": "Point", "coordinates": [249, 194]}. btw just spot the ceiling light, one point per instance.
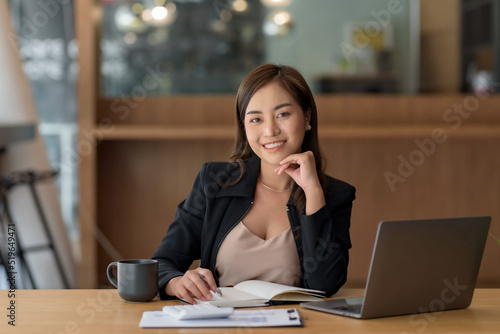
{"type": "Point", "coordinates": [276, 3]}
{"type": "Point", "coordinates": [281, 18]}
{"type": "Point", "coordinates": [159, 13]}
{"type": "Point", "coordinates": [240, 5]}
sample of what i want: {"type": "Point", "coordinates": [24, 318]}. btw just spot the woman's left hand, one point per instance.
{"type": "Point", "coordinates": [305, 174]}
{"type": "Point", "coordinates": [306, 177]}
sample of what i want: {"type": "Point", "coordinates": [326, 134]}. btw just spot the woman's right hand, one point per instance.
{"type": "Point", "coordinates": [196, 283]}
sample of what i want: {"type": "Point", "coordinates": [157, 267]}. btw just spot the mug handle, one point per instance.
{"type": "Point", "coordinates": [111, 277]}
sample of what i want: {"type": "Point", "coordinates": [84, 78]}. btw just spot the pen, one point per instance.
{"type": "Point", "coordinates": [205, 280]}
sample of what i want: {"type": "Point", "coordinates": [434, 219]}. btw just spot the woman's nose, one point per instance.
{"type": "Point", "coordinates": [271, 129]}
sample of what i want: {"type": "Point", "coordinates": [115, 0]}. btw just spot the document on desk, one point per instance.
{"type": "Point", "coordinates": [289, 317]}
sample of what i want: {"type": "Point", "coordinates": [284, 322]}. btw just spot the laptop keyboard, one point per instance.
{"type": "Point", "coordinates": [355, 308]}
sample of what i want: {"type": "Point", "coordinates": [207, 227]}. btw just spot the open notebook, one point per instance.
{"type": "Point", "coordinates": [260, 293]}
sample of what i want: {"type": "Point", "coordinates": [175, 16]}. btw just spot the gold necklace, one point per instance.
{"type": "Point", "coordinates": [278, 191]}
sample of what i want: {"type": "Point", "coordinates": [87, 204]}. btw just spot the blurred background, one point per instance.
{"type": "Point", "coordinates": [96, 66]}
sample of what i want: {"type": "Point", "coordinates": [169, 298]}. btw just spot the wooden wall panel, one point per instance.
{"type": "Point", "coordinates": [140, 184]}
{"type": "Point", "coordinates": [141, 181]}
{"type": "Point", "coordinates": [176, 110]}
{"type": "Point", "coordinates": [460, 178]}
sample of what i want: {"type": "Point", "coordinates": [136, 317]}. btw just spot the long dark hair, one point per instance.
{"type": "Point", "coordinates": [294, 83]}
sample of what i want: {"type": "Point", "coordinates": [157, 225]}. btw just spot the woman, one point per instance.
{"type": "Point", "coordinates": [271, 214]}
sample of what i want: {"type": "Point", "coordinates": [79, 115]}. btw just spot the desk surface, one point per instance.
{"type": "Point", "coordinates": [103, 311]}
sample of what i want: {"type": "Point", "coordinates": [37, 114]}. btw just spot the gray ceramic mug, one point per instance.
{"type": "Point", "coordinates": [137, 280]}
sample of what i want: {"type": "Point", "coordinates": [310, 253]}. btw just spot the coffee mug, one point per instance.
{"type": "Point", "coordinates": [137, 280]}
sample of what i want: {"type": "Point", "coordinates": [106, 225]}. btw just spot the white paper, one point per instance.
{"type": "Point", "coordinates": [240, 318]}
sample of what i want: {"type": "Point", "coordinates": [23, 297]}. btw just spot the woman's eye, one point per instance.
{"type": "Point", "coordinates": [283, 114]}
{"type": "Point", "coordinates": [254, 120]}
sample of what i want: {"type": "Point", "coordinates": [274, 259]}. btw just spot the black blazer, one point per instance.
{"type": "Point", "coordinates": [210, 211]}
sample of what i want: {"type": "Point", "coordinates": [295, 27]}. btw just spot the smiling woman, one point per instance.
{"type": "Point", "coordinates": [284, 102]}
{"type": "Point", "coordinates": [274, 124]}
{"type": "Point", "coordinates": [276, 208]}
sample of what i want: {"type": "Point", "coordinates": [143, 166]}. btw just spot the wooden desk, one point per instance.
{"type": "Point", "coordinates": [103, 311]}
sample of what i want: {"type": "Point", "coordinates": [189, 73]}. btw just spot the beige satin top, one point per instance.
{"type": "Point", "coordinates": [245, 256]}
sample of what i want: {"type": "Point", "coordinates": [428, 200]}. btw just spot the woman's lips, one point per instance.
{"type": "Point", "coordinates": [275, 145]}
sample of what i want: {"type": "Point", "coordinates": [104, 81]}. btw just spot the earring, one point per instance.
{"type": "Point", "coordinates": [309, 127]}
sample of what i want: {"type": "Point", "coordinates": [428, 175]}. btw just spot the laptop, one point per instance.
{"type": "Point", "coordinates": [418, 266]}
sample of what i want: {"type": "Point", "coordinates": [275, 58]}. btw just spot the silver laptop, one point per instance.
{"type": "Point", "coordinates": [418, 266]}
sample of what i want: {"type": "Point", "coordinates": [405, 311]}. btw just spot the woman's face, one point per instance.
{"type": "Point", "coordinates": [275, 124]}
